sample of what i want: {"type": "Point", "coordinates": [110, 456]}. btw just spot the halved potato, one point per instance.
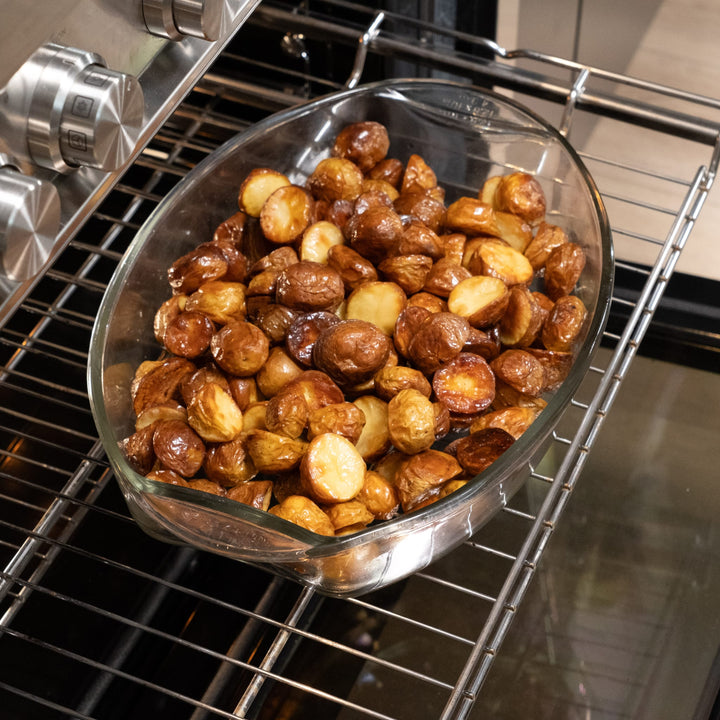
{"type": "Point", "coordinates": [318, 239]}
{"type": "Point", "coordinates": [256, 493]}
{"type": "Point", "coordinates": [352, 515]}
{"type": "Point", "coordinates": [472, 217]}
{"type": "Point", "coordinates": [302, 511]}
{"type": "Point", "coordinates": [465, 385]}
{"type": "Point", "coordinates": [229, 463]}
{"type": "Point", "coordinates": [422, 476]}
{"type": "Point", "coordinates": [546, 239]}
{"type": "Point", "coordinates": [481, 299]}
{"type": "Point", "coordinates": [514, 420]}
{"type": "Point", "coordinates": [389, 381]}
{"type": "Point", "coordinates": [374, 440]}
{"type": "Point", "coordinates": [378, 303]}
{"type": "Point", "coordinates": [258, 185]}
{"type": "Point", "coordinates": [522, 320]}
{"type": "Point", "coordinates": [336, 178]}
{"type": "Point", "coordinates": [214, 415]}
{"type": "Point", "coordinates": [332, 470]}
{"type": "Point", "coordinates": [286, 214]}
{"type": "Point", "coordinates": [343, 418]}
{"type": "Point", "coordinates": [513, 230]}
{"type": "Point", "coordinates": [286, 414]}
{"type": "Point", "coordinates": [521, 194]}
{"type": "Point", "coordinates": [563, 269]}
{"type": "Point", "coordinates": [497, 259]}
{"type": "Point", "coordinates": [408, 271]}
{"type": "Point", "coordinates": [480, 449]}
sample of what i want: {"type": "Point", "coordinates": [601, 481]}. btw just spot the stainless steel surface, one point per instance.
{"type": "Point", "coordinates": [29, 220]}
{"type": "Point", "coordinates": [205, 19]}
{"type": "Point", "coordinates": [166, 72]}
{"type": "Point", "coordinates": [446, 643]}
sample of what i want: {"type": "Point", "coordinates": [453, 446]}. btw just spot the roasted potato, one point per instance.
{"type": "Point", "coordinates": [343, 418]}
{"type": "Point", "coordinates": [513, 230]}
{"type": "Point", "coordinates": [206, 262]}
{"type": "Point", "coordinates": [336, 178]}
{"type": "Point", "coordinates": [375, 234]}
{"type": "Point", "coordinates": [439, 338]}
{"type": "Point", "coordinates": [160, 382]}
{"type": "Point", "coordinates": [444, 275]}
{"type": "Point", "coordinates": [389, 381]}
{"type": "Point", "coordinates": [352, 267]}
{"type": "Point", "coordinates": [228, 463]}
{"type": "Point", "coordinates": [365, 143]}
{"type": "Point", "coordinates": [472, 217]}
{"type": "Point", "coordinates": [244, 391]}
{"type": "Point", "coordinates": [138, 448]}
{"type": "Point", "coordinates": [422, 476]}
{"type": "Point", "coordinates": [547, 238]}
{"type": "Point", "coordinates": [513, 420]}
{"type": "Point", "coordinates": [259, 184]}
{"type": "Point", "coordinates": [563, 269]}
{"type": "Point", "coordinates": [423, 207]}
{"type": "Point", "coordinates": [256, 493]}
{"type": "Point", "coordinates": [317, 388]}
{"type": "Point", "coordinates": [521, 194]}
{"type": "Point", "coordinates": [374, 440]}
{"type": "Point", "coordinates": [521, 370]}
{"type": "Point", "coordinates": [332, 470]}
{"type": "Point", "coordinates": [165, 314]}
{"type": "Point", "coordinates": [277, 259]}
{"type": "Point", "coordinates": [564, 324]}
{"type": "Point", "coordinates": [351, 515]}
{"type": "Point", "coordinates": [465, 385]}
{"type": "Point", "coordinates": [167, 476]}
{"type": "Point", "coordinates": [411, 421]}
{"type": "Point", "coordinates": [209, 373]}
{"type": "Point", "coordinates": [379, 303]}
{"type": "Point", "coordinates": [287, 414]}
{"type": "Point", "coordinates": [240, 348]}
{"type": "Point", "coordinates": [275, 321]}
{"type": "Point", "coordinates": [219, 300]}
{"type": "Point", "coordinates": [272, 453]}
{"type": "Point", "coordinates": [427, 301]}
{"type": "Point", "coordinates": [303, 333]}
{"type": "Point", "coordinates": [206, 486]}
{"type": "Point", "coordinates": [351, 351]}
{"type": "Point", "coordinates": [317, 240]}
{"type": "Point", "coordinates": [407, 271]}
{"type": "Point", "coordinates": [278, 371]}
{"type": "Point", "coordinates": [389, 170]}
{"type": "Point", "coordinates": [178, 447]}
{"type": "Point", "coordinates": [156, 413]}
{"type": "Point", "coordinates": [310, 286]}
{"type": "Point", "coordinates": [214, 415]}
{"type": "Point", "coordinates": [379, 496]}
{"type": "Point", "coordinates": [480, 299]}
{"type": "Point", "coordinates": [232, 230]}
{"type": "Point", "coordinates": [286, 214]}
{"type": "Point", "coordinates": [189, 334]}
{"type": "Point", "coordinates": [497, 259]}
{"type": "Point", "coordinates": [419, 176]}
{"type": "Point", "coordinates": [302, 511]}
{"type": "Point", "coordinates": [407, 324]}
{"type": "Point", "coordinates": [418, 239]}
{"type": "Point", "coordinates": [522, 320]}
{"type": "Point", "coordinates": [478, 450]}
{"type": "Point", "coordinates": [557, 365]}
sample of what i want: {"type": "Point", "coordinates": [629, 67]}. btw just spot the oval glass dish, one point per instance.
{"type": "Point", "coordinates": [466, 135]}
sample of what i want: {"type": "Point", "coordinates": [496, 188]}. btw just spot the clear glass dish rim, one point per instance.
{"type": "Point", "coordinates": [500, 470]}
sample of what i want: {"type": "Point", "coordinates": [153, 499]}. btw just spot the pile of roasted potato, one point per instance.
{"type": "Point", "coordinates": [322, 342]}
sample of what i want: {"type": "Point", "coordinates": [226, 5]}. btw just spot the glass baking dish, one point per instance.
{"type": "Point", "coordinates": [466, 135]}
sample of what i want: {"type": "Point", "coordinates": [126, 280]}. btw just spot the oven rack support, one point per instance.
{"type": "Point", "coordinates": [32, 334]}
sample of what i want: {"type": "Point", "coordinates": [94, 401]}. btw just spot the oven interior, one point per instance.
{"type": "Point", "coordinates": [99, 621]}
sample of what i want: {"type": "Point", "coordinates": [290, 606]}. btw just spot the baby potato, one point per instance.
{"type": "Point", "coordinates": [465, 385]}
{"type": "Point", "coordinates": [303, 333]}
{"type": "Point", "coordinates": [351, 515]}
{"type": "Point", "coordinates": [167, 476]}
{"type": "Point", "coordinates": [343, 418]}
{"type": "Point", "coordinates": [371, 199]}
{"type": "Point", "coordinates": [351, 351]}
{"type": "Point", "coordinates": [286, 414]}
{"type": "Point", "coordinates": [422, 475]}
{"type": "Point", "coordinates": [206, 486]}
{"type": "Point", "coordinates": [557, 365]}
{"type": "Point", "coordinates": [156, 413]}
{"type": "Point", "coordinates": [389, 464]}
{"type": "Point", "coordinates": [256, 493]}
{"type": "Point", "coordinates": [508, 396]}
{"type": "Point", "coordinates": [444, 275]}
{"type": "Point", "coordinates": [310, 286]}
{"type": "Point", "coordinates": [521, 370]}
{"type": "Point", "coordinates": [423, 207]}
{"type": "Point", "coordinates": [264, 283]}
{"type": "Point", "coordinates": [178, 447]}
{"type": "Point", "coordinates": [522, 320]}
{"type": "Point", "coordinates": [389, 170]}
{"type": "Point", "coordinates": [244, 392]}
{"type": "Point", "coordinates": [318, 239]}
{"type": "Point", "coordinates": [411, 421]}
{"type": "Point", "coordinates": [273, 453]}
{"type": "Point", "coordinates": [232, 230]}
{"type": "Point", "coordinates": [160, 383]}
{"type": "Point", "coordinates": [332, 470]}
{"type": "Point", "coordinates": [237, 262]}
{"type": "Point", "coordinates": [521, 194]}
{"type": "Point", "coordinates": [379, 303]}
{"type": "Point", "coordinates": [374, 440]}
{"type": "Point", "coordinates": [336, 178]}
{"type": "Point", "coordinates": [214, 415]}
{"type": "Point", "coordinates": [497, 259]}
{"type": "Point", "coordinates": [302, 511]}
{"type": "Point", "coordinates": [485, 343]}
{"type": "Point", "coordinates": [427, 301]}
{"type": "Point", "coordinates": [219, 300]}
{"type": "Point", "coordinates": [365, 143]}
{"type": "Point", "coordinates": [165, 314]}
{"type": "Point", "coordinates": [206, 262]}
{"type": "Point", "coordinates": [481, 299]}
{"type": "Point", "coordinates": [442, 420]}
{"type": "Point", "coordinates": [138, 448]}
{"type": "Point", "coordinates": [317, 388]}
{"type": "Point", "coordinates": [472, 217]}
{"type": "Point", "coordinates": [419, 176]}
{"type": "Point", "coordinates": [389, 381]}
{"type": "Point", "coordinates": [454, 247]}
{"type": "Point", "coordinates": [240, 348]}
{"type": "Point", "coordinates": [418, 239]}
{"type": "Point", "coordinates": [478, 450]}
{"type": "Point", "coordinates": [228, 463]}
{"type": "Point", "coordinates": [406, 326]}
{"type": "Point", "coordinates": [189, 334]}
{"type": "Point", "coordinates": [564, 324]}
{"type": "Point", "coordinates": [372, 185]}
{"type": "Point", "coordinates": [374, 234]}
{"type": "Point", "coordinates": [378, 496]}
{"type": "Point", "coordinates": [439, 338]}
{"type": "Point", "coordinates": [275, 321]}
{"type": "Point", "coordinates": [513, 230]}
{"type": "Point", "coordinates": [286, 214]}
{"type": "Point", "coordinates": [254, 416]}
{"type": "Point", "coordinates": [563, 269]}
{"type": "Point", "coordinates": [487, 191]}
{"type": "Point", "coordinates": [352, 267]}
{"type": "Point", "coordinates": [278, 259]}
{"type": "Point", "coordinates": [277, 371]}
{"type": "Point", "coordinates": [513, 420]}
{"type": "Point", "coordinates": [547, 238]}
{"type": "Point", "coordinates": [258, 185]}
{"type": "Point", "coordinates": [408, 271]}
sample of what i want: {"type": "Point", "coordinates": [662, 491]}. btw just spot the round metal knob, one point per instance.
{"type": "Point", "coordinates": [29, 223]}
{"type": "Point", "coordinates": [205, 19]}
{"type": "Point", "coordinates": [81, 113]}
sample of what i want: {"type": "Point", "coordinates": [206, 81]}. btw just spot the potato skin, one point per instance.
{"type": "Point", "coordinates": [422, 475]}
{"type": "Point", "coordinates": [564, 324]}
{"type": "Point", "coordinates": [351, 351]}
{"type": "Point", "coordinates": [440, 338]}
{"type": "Point", "coordinates": [365, 143]}
{"type": "Point", "coordinates": [309, 286]}
{"type": "Point", "coordinates": [336, 178]}
{"type": "Point", "coordinates": [521, 370]}
{"type": "Point", "coordinates": [332, 470]}
{"type": "Point", "coordinates": [189, 334]}
{"type": "Point", "coordinates": [202, 264]}
{"type": "Point", "coordinates": [240, 348]}
{"type": "Point", "coordinates": [563, 269]}
{"type": "Point", "coordinates": [304, 332]}
{"type": "Point", "coordinates": [352, 267]}
{"type": "Point", "coordinates": [161, 383]}
{"type": "Point", "coordinates": [178, 447]}
{"type": "Point", "coordinates": [480, 449]}
{"type": "Point", "coordinates": [521, 194]}
{"type": "Point", "coordinates": [389, 381]}
{"type": "Point", "coordinates": [375, 234]}
{"type": "Point", "coordinates": [343, 418]}
{"type": "Point", "coordinates": [302, 511]}
{"type": "Point", "coordinates": [465, 385]}
{"type": "Point", "coordinates": [411, 421]}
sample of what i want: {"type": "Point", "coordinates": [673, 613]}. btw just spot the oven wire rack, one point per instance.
{"type": "Point", "coordinates": [59, 504]}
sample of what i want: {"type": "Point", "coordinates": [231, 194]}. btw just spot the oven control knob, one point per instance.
{"type": "Point", "coordinates": [29, 223]}
{"type": "Point", "coordinates": [205, 19]}
{"type": "Point", "coordinates": [81, 112]}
